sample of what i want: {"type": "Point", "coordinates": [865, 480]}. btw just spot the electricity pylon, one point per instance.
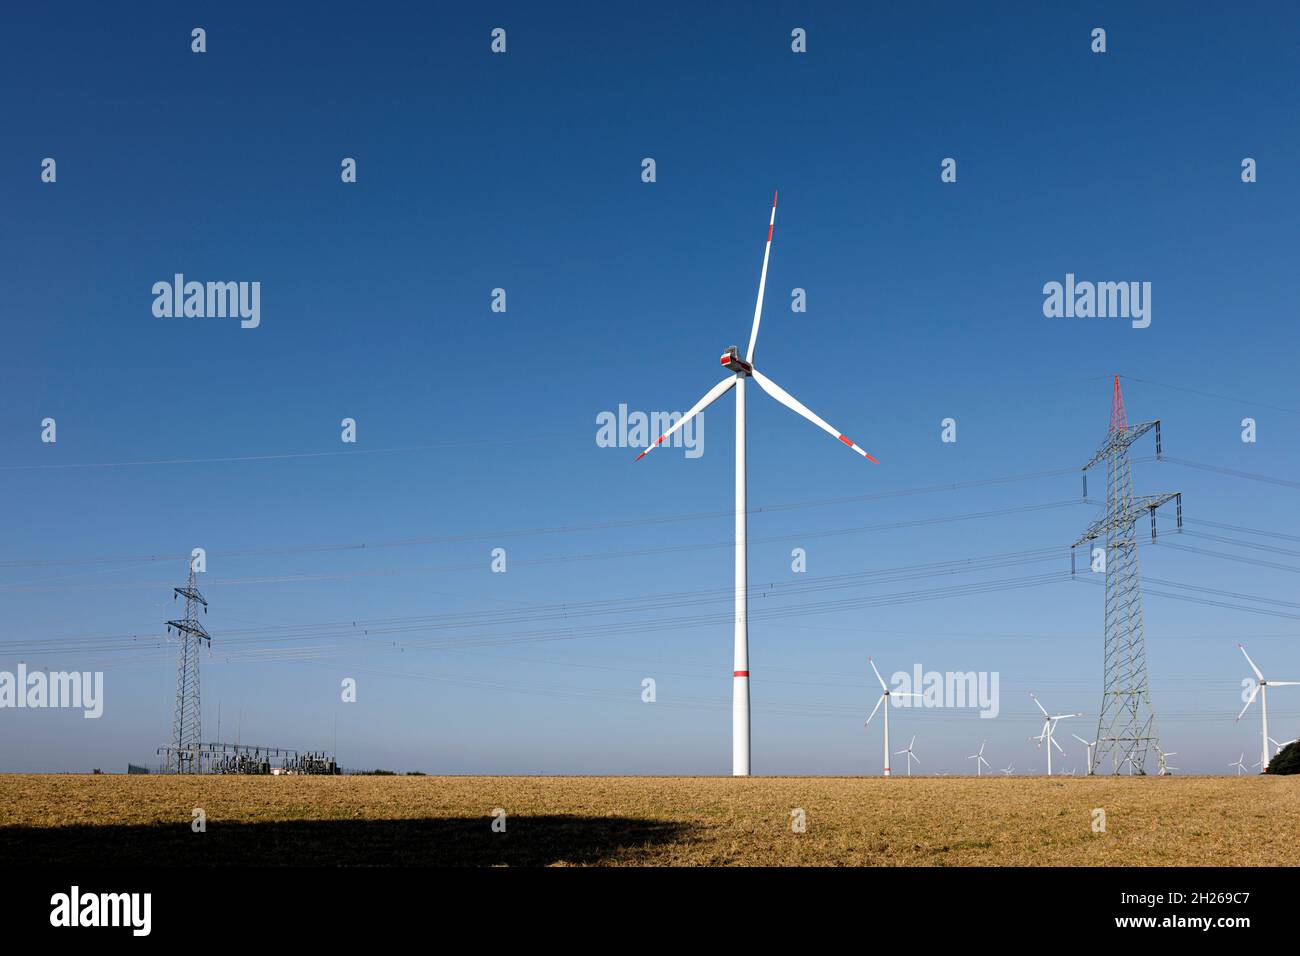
{"type": "Point", "coordinates": [182, 755]}
{"type": "Point", "coordinates": [1127, 723]}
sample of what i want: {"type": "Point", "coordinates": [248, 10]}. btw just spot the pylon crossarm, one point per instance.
{"type": "Point", "coordinates": [1119, 441]}
{"type": "Point", "coordinates": [1138, 507]}
{"type": "Point", "coordinates": [190, 627]}
{"type": "Point", "coordinates": [191, 594]}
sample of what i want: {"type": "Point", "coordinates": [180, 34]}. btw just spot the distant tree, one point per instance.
{"type": "Point", "coordinates": [1288, 761]}
{"type": "Point", "coordinates": [415, 773]}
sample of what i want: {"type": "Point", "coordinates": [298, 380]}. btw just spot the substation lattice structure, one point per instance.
{"type": "Point", "coordinates": [255, 760]}
{"type": "Point", "coordinates": [182, 756]}
{"type": "Point", "coordinates": [187, 753]}
{"type": "Point", "coordinates": [1126, 725]}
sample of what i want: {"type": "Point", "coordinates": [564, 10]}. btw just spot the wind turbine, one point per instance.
{"type": "Point", "coordinates": [1164, 766]}
{"type": "Point", "coordinates": [1128, 759]}
{"type": "Point", "coordinates": [885, 694]}
{"type": "Point", "coordinates": [910, 756]}
{"type": "Point", "coordinates": [1049, 727]}
{"type": "Point", "coordinates": [1261, 690]}
{"type": "Point", "coordinates": [980, 762]}
{"type": "Point", "coordinates": [1089, 746]}
{"type": "Point", "coordinates": [1241, 767]}
{"type": "Point", "coordinates": [1009, 769]}
{"type": "Point", "coordinates": [742, 369]}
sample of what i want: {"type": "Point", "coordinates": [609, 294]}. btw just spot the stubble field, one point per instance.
{"type": "Point", "coordinates": [655, 821]}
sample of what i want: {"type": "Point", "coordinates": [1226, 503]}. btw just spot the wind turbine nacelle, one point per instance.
{"type": "Point", "coordinates": [731, 358]}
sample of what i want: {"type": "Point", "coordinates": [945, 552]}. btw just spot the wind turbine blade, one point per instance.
{"type": "Point", "coordinates": [1250, 700]}
{"type": "Point", "coordinates": [1080, 739]}
{"type": "Point", "coordinates": [915, 757]}
{"type": "Point", "coordinates": [1250, 662]}
{"type": "Point", "coordinates": [1041, 707]}
{"type": "Point", "coordinates": [1056, 745]}
{"type": "Point", "coordinates": [879, 700]}
{"type": "Point", "coordinates": [1283, 683]}
{"type": "Point", "coordinates": [711, 396]}
{"type": "Point", "coordinates": [796, 406]}
{"type": "Point", "coordinates": [762, 284]}
{"type": "Point", "coordinates": [872, 662]}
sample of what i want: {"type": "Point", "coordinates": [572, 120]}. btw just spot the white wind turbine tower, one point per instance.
{"type": "Point", "coordinates": [1261, 691]}
{"type": "Point", "coordinates": [980, 762]}
{"type": "Point", "coordinates": [1049, 728]}
{"type": "Point", "coordinates": [910, 756]}
{"type": "Point", "coordinates": [1241, 767]}
{"type": "Point", "coordinates": [742, 369]}
{"type": "Point", "coordinates": [885, 694]}
{"type": "Point", "coordinates": [1089, 745]}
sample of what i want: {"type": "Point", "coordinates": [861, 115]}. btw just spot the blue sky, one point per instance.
{"type": "Point", "coordinates": [523, 171]}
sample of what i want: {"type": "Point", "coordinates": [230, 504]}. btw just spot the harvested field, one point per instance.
{"type": "Point", "coordinates": [655, 821]}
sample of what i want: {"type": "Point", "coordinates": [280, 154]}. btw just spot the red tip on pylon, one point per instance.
{"type": "Point", "coordinates": [1118, 419]}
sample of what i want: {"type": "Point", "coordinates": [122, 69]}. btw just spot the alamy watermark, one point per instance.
{"type": "Point", "coordinates": [129, 910]}
{"type": "Point", "coordinates": [1102, 300]}
{"type": "Point", "coordinates": [626, 429]}
{"type": "Point", "coordinates": [211, 300]}
{"type": "Point", "coordinates": [71, 689]}
{"type": "Point", "coordinates": [978, 689]}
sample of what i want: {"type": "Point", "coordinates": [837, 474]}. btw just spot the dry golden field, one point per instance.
{"type": "Point", "coordinates": [657, 821]}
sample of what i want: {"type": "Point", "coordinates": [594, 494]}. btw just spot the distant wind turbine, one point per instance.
{"type": "Point", "coordinates": [980, 762]}
{"type": "Point", "coordinates": [1241, 767]}
{"type": "Point", "coordinates": [742, 369]}
{"type": "Point", "coordinates": [885, 694]}
{"type": "Point", "coordinates": [1009, 769]}
{"type": "Point", "coordinates": [1261, 690]}
{"type": "Point", "coordinates": [1089, 746]}
{"type": "Point", "coordinates": [1165, 767]}
{"type": "Point", "coordinates": [910, 756]}
{"type": "Point", "coordinates": [1049, 727]}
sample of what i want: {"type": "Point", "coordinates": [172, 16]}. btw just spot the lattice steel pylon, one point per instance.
{"type": "Point", "coordinates": [183, 754]}
{"type": "Point", "coordinates": [1127, 722]}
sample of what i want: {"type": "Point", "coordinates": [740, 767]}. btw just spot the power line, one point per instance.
{"type": "Point", "coordinates": [1233, 473]}
{"type": "Point", "coordinates": [1226, 398]}
{"type": "Point", "coordinates": [280, 457]}
{"type": "Point", "coordinates": [555, 529]}
{"type": "Point", "coordinates": [556, 559]}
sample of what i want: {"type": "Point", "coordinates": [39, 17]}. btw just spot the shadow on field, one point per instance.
{"type": "Point", "coordinates": [528, 841]}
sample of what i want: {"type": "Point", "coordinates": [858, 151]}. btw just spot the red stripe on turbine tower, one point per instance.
{"type": "Point", "coordinates": [740, 673]}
